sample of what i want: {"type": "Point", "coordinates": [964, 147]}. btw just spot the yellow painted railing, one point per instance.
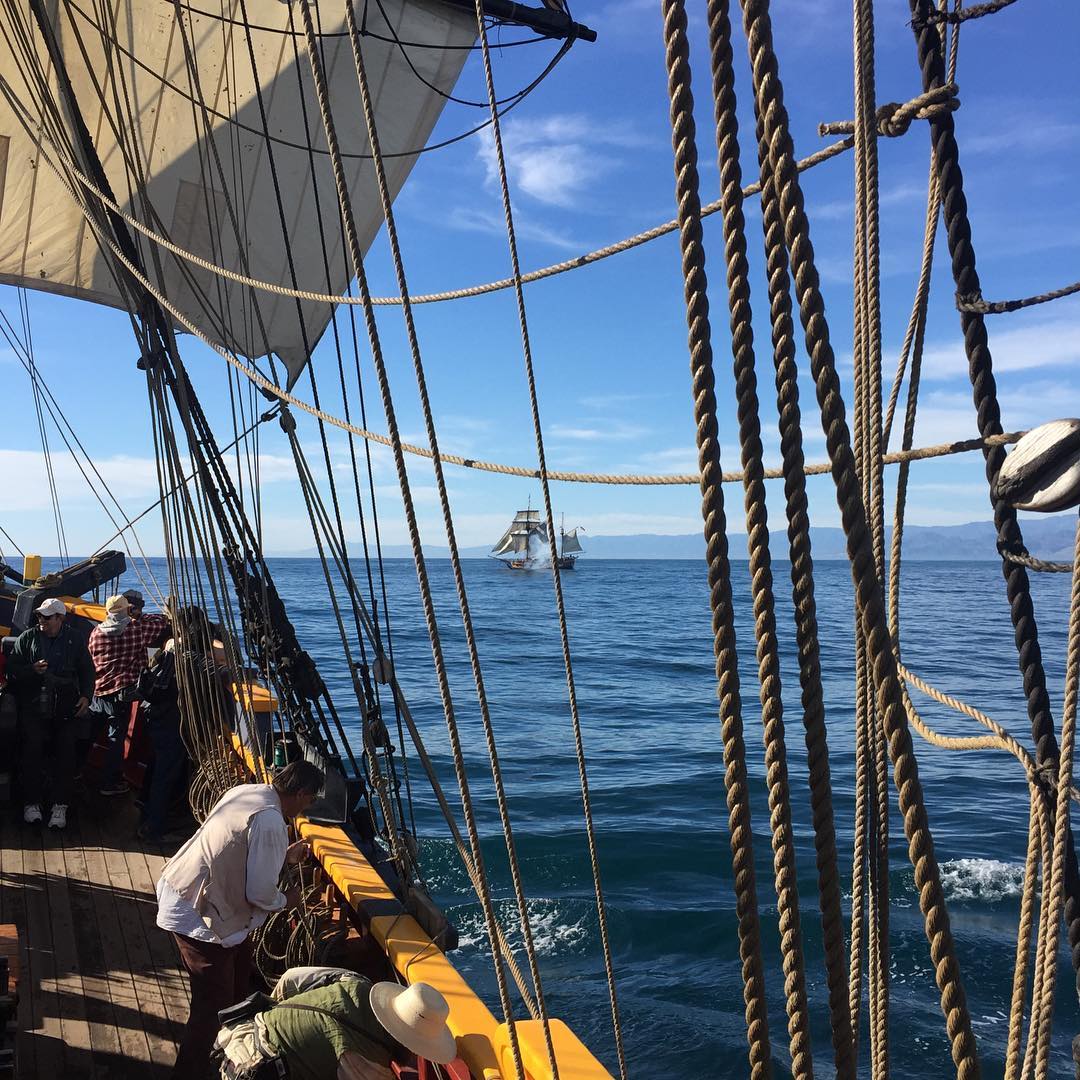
{"type": "Point", "coordinates": [483, 1044]}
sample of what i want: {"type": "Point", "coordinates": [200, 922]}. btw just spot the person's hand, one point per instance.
{"type": "Point", "coordinates": [81, 706]}
{"type": "Point", "coordinates": [41, 666]}
{"type": "Point", "coordinates": [298, 852]}
{"type": "Point", "coordinates": [292, 897]}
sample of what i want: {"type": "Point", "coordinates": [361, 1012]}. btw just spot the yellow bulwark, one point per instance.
{"type": "Point", "coordinates": [483, 1043]}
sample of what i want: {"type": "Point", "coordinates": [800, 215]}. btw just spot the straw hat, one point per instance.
{"type": "Point", "coordinates": [116, 605]}
{"type": "Point", "coordinates": [415, 1016]}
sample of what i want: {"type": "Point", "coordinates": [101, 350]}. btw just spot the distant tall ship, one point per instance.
{"type": "Point", "coordinates": [526, 544]}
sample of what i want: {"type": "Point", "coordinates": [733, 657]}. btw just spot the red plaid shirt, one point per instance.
{"type": "Point", "coordinates": [119, 658]}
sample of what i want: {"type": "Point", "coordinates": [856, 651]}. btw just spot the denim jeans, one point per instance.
{"type": "Point", "coordinates": [169, 769]}
{"type": "Point", "coordinates": [114, 712]}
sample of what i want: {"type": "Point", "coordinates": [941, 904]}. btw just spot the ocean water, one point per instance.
{"type": "Point", "coordinates": [642, 651]}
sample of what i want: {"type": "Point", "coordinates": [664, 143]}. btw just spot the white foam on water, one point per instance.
{"type": "Point", "coordinates": [987, 880]}
{"type": "Point", "coordinates": [555, 931]}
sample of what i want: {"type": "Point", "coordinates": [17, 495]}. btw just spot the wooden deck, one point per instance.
{"type": "Point", "coordinates": [102, 993]}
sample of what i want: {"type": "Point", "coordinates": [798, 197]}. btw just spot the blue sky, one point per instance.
{"type": "Point", "coordinates": [590, 161]}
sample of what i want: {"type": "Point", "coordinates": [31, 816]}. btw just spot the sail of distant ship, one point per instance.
{"type": "Point", "coordinates": [526, 543]}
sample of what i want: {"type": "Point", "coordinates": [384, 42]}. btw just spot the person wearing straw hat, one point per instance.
{"type": "Point", "coordinates": [52, 678]}
{"type": "Point", "coordinates": [332, 1022]}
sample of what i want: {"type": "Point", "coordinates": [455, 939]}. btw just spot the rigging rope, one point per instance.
{"type": "Point", "coordinates": [599, 254]}
{"type": "Point", "coordinates": [984, 393]}
{"type": "Point", "coordinates": [575, 718]}
{"type": "Point", "coordinates": [459, 581]}
{"type": "Point", "coordinates": [688, 202]}
{"type": "Point", "coordinates": [769, 95]}
{"type": "Point", "coordinates": [768, 651]}
{"type": "Point", "coordinates": [804, 605]}
{"type": "Point", "coordinates": [356, 257]}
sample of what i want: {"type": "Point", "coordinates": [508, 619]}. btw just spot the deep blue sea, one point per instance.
{"type": "Point", "coordinates": [642, 648]}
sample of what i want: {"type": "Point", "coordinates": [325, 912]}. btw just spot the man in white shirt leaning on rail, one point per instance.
{"type": "Point", "coordinates": [220, 886]}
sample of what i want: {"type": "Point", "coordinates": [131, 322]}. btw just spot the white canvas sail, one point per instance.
{"type": "Point", "coordinates": [138, 64]}
{"type": "Point", "coordinates": [511, 543]}
{"type": "Point", "coordinates": [526, 535]}
{"type": "Point", "coordinates": [570, 542]}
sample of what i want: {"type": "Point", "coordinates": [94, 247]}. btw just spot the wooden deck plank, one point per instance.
{"type": "Point", "coordinates": [44, 1001]}
{"type": "Point", "coordinates": [157, 1023]}
{"type": "Point", "coordinates": [115, 965]}
{"type": "Point", "coordinates": [13, 905]}
{"type": "Point", "coordinates": [143, 869]}
{"type": "Point", "coordinates": [67, 982]}
{"type": "Point", "coordinates": [104, 1037]}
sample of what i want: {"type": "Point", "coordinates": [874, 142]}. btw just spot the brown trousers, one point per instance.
{"type": "Point", "coordinates": [219, 978]}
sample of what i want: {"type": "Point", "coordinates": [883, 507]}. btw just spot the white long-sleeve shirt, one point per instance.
{"type": "Point", "coordinates": [267, 842]}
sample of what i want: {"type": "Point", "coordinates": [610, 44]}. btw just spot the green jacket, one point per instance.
{"type": "Point", "coordinates": [312, 1043]}
{"type": "Point", "coordinates": [69, 660]}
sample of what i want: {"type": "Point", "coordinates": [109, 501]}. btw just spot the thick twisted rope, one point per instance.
{"type": "Point", "coordinates": [806, 628]}
{"type": "Point", "coordinates": [768, 90]}
{"type": "Point", "coordinates": [868, 448]}
{"type": "Point", "coordinates": [459, 581]}
{"type": "Point", "coordinates": [1054, 882]}
{"type": "Point", "coordinates": [894, 118]}
{"type": "Point", "coordinates": [564, 635]}
{"type": "Point", "coordinates": [768, 650]}
{"type": "Point", "coordinates": [984, 392]}
{"type": "Point", "coordinates": [356, 256]}
{"type": "Point", "coordinates": [826, 153]}
{"type": "Point", "coordinates": [700, 347]}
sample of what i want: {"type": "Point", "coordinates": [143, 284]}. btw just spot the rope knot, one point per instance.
{"type": "Point", "coordinates": [894, 118]}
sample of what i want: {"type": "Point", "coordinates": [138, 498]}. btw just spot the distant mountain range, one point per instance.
{"type": "Point", "coordinates": [1047, 538]}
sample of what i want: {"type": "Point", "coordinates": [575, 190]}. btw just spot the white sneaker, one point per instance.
{"type": "Point", "coordinates": [32, 814]}
{"type": "Point", "coordinates": [58, 820]}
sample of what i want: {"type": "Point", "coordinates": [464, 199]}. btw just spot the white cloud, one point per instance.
{"type": "Point", "coordinates": [903, 194]}
{"type": "Point", "coordinates": [677, 459]}
{"type": "Point", "coordinates": [949, 416]}
{"type": "Point", "coordinates": [129, 478]}
{"type": "Point", "coordinates": [608, 401]}
{"type": "Point", "coordinates": [1044, 342]}
{"type": "Point", "coordinates": [557, 160]}
{"type": "Point", "coordinates": [601, 431]}
{"type": "Point", "coordinates": [1016, 132]}
{"type": "Point", "coordinates": [476, 219]}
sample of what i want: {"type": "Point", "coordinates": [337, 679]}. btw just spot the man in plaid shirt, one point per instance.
{"type": "Point", "coordinates": [118, 648]}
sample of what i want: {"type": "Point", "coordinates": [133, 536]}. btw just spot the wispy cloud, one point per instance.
{"type": "Point", "coordinates": [904, 194]}
{"type": "Point", "coordinates": [1016, 131]}
{"type": "Point", "coordinates": [598, 431]}
{"type": "Point", "coordinates": [557, 161]}
{"type": "Point", "coordinates": [1041, 343]}
{"type": "Point", "coordinates": [128, 477]}
{"type": "Point", "coordinates": [478, 220]}
{"type": "Point", "coordinates": [676, 459]}
{"type": "Point", "coordinates": [612, 401]}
